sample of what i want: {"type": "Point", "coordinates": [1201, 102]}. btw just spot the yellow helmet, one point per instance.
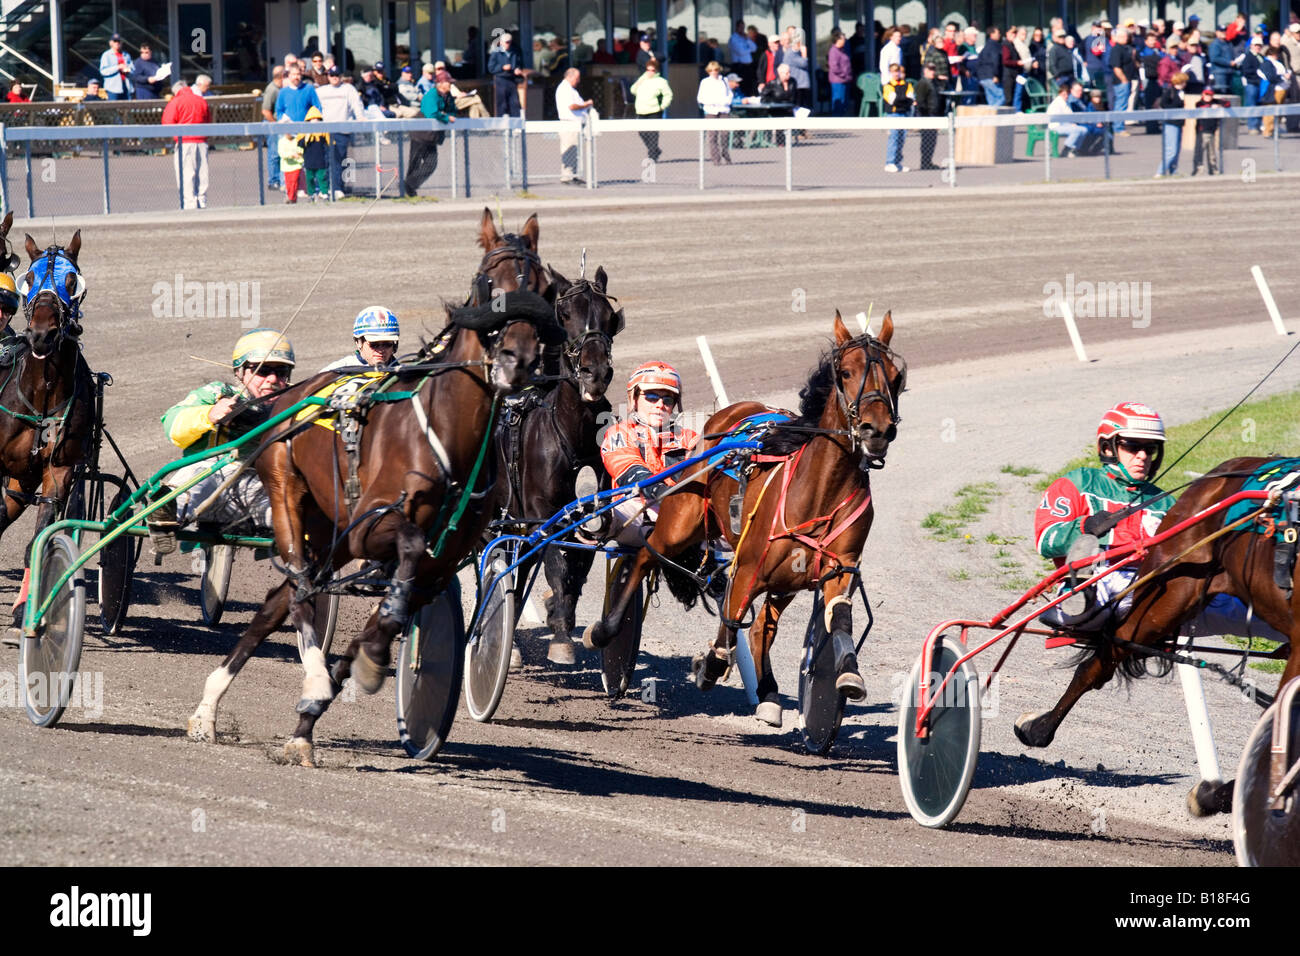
{"type": "Point", "coordinates": [8, 294]}
{"type": "Point", "coordinates": [262, 346]}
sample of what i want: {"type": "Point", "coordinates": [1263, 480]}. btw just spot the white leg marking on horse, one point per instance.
{"type": "Point", "coordinates": [316, 685]}
{"type": "Point", "coordinates": [203, 723]}
{"type": "Point", "coordinates": [834, 603]}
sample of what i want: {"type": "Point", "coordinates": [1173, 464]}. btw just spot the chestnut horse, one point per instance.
{"type": "Point", "coordinates": [45, 398]}
{"type": "Point", "coordinates": [807, 511]}
{"type": "Point", "coordinates": [416, 460]}
{"type": "Point", "coordinates": [509, 262]}
{"type": "Point", "coordinates": [1239, 563]}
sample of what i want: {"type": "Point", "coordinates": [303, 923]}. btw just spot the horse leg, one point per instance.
{"type": "Point", "coordinates": [710, 666]}
{"type": "Point", "coordinates": [1037, 730]}
{"type": "Point", "coordinates": [13, 507]}
{"type": "Point", "coordinates": [371, 662]}
{"type": "Point", "coordinates": [601, 631]}
{"type": "Point", "coordinates": [202, 724]}
{"type": "Point", "coordinates": [837, 599]}
{"type": "Point", "coordinates": [566, 570]}
{"type": "Point", "coordinates": [761, 637]}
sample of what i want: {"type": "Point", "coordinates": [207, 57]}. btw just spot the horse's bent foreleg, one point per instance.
{"type": "Point", "coordinates": [600, 632]}
{"type": "Point", "coordinates": [203, 722]}
{"type": "Point", "coordinates": [566, 570]}
{"type": "Point", "coordinates": [1037, 730]}
{"type": "Point", "coordinates": [837, 598]}
{"type": "Point", "coordinates": [761, 637]}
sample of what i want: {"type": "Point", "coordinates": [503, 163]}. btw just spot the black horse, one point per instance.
{"type": "Point", "coordinates": [549, 434]}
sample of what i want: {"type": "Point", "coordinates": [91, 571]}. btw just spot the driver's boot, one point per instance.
{"type": "Point", "coordinates": [162, 525]}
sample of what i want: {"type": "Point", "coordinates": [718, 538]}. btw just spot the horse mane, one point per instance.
{"type": "Point", "coordinates": [816, 392]}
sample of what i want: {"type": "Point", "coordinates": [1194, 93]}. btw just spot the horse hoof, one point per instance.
{"type": "Point", "coordinates": [1026, 734]}
{"type": "Point", "coordinates": [594, 637]}
{"type": "Point", "coordinates": [561, 651]}
{"type": "Point", "coordinates": [706, 668]}
{"type": "Point", "coordinates": [12, 637]}
{"type": "Point", "coordinates": [851, 685]}
{"type": "Point", "coordinates": [516, 659]}
{"type": "Point", "coordinates": [1209, 797]}
{"type": "Point", "coordinates": [769, 712]}
{"type": "Point", "coordinates": [366, 674]}
{"type": "Point", "coordinates": [201, 728]}
{"type": "Point", "coordinates": [298, 752]}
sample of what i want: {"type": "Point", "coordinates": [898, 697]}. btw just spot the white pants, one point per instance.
{"type": "Point", "coordinates": [629, 521]}
{"type": "Point", "coordinates": [192, 174]}
{"type": "Point", "coordinates": [570, 151]}
{"type": "Point", "coordinates": [243, 500]}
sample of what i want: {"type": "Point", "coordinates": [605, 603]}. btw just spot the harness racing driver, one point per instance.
{"type": "Point", "coordinates": [375, 333]}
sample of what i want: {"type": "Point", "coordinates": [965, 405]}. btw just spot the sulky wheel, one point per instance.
{"type": "Point", "coordinates": [116, 572]}
{"type": "Point", "coordinates": [618, 657]}
{"type": "Point", "coordinates": [821, 706]}
{"type": "Point", "coordinates": [430, 661]}
{"type": "Point", "coordinates": [1262, 834]}
{"type": "Point", "coordinates": [488, 656]}
{"type": "Point", "coordinates": [936, 771]}
{"type": "Point", "coordinates": [329, 603]}
{"type": "Point", "coordinates": [47, 663]}
{"type": "Point", "coordinates": [217, 562]}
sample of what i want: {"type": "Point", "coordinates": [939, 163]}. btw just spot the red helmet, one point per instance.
{"type": "Point", "coordinates": [655, 375]}
{"type": "Point", "coordinates": [1131, 420]}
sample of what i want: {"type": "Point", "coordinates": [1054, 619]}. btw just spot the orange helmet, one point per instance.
{"type": "Point", "coordinates": [653, 375]}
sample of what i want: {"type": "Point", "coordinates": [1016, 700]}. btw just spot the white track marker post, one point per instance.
{"type": "Point", "coordinates": [1269, 304]}
{"type": "Point", "coordinates": [1074, 332]}
{"type": "Point", "coordinates": [1198, 715]}
{"type": "Point", "coordinates": [529, 614]}
{"type": "Point", "coordinates": [712, 369]}
{"type": "Point", "coordinates": [864, 318]}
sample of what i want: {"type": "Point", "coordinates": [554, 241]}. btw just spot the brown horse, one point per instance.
{"type": "Point", "coordinates": [45, 395]}
{"type": "Point", "coordinates": [416, 459]}
{"type": "Point", "coordinates": [1239, 563]}
{"type": "Point", "coordinates": [807, 511]}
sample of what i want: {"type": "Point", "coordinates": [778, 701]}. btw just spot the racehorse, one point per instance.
{"type": "Point", "coordinates": [417, 457]}
{"type": "Point", "coordinates": [547, 436]}
{"type": "Point", "coordinates": [45, 396]}
{"type": "Point", "coordinates": [1239, 563]}
{"type": "Point", "coordinates": [807, 510]}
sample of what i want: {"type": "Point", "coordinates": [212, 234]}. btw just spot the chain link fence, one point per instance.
{"type": "Point", "coordinates": [115, 169]}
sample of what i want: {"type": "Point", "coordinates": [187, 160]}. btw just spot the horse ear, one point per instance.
{"type": "Point", "coordinates": [30, 246]}
{"type": "Point", "coordinates": [560, 284]}
{"type": "Point", "coordinates": [488, 237]}
{"type": "Point", "coordinates": [841, 333]}
{"type": "Point", "coordinates": [601, 279]}
{"type": "Point", "coordinates": [531, 231]}
{"type": "Point", "coordinates": [8, 222]}
{"type": "Point", "coordinates": [886, 328]}
{"type": "Point", "coordinates": [74, 246]}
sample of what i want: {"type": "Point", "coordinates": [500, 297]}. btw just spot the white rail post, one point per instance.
{"type": "Point", "coordinates": [1073, 329]}
{"type": "Point", "coordinates": [1269, 304]}
{"type": "Point", "coordinates": [789, 159]}
{"type": "Point", "coordinates": [701, 159]}
{"type": "Point", "coordinates": [1198, 716]}
{"type": "Point", "coordinates": [714, 378]}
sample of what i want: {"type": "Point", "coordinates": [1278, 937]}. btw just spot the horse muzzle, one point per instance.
{"type": "Point", "coordinates": [43, 343]}
{"type": "Point", "coordinates": [592, 383]}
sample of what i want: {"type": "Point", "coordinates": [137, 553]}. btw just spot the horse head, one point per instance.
{"type": "Point", "coordinates": [510, 262]}
{"type": "Point", "coordinates": [511, 329]}
{"type": "Point", "coordinates": [52, 290]}
{"type": "Point", "coordinates": [9, 260]}
{"type": "Point", "coordinates": [591, 319]}
{"type": "Point", "coordinates": [868, 379]}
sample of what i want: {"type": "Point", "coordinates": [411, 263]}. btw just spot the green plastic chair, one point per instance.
{"type": "Point", "coordinates": [869, 84]}
{"type": "Point", "coordinates": [1039, 98]}
{"type": "Point", "coordinates": [1035, 134]}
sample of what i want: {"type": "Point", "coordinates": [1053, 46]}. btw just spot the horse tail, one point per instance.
{"type": "Point", "coordinates": [683, 582]}
{"type": "Point", "coordinates": [1129, 666]}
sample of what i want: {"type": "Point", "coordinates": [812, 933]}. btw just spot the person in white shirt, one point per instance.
{"type": "Point", "coordinates": [714, 97]}
{"type": "Point", "coordinates": [1073, 132]}
{"type": "Point", "coordinates": [574, 112]}
{"type": "Point", "coordinates": [890, 54]}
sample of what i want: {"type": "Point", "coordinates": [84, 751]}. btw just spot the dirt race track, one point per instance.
{"type": "Point", "coordinates": [563, 776]}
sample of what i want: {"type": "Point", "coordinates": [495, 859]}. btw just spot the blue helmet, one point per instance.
{"type": "Point", "coordinates": [376, 324]}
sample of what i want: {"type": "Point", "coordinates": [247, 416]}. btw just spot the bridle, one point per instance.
{"type": "Point", "coordinates": [52, 283]}
{"type": "Point", "coordinates": [574, 346]}
{"type": "Point", "coordinates": [515, 250]}
{"type": "Point", "coordinates": [877, 355]}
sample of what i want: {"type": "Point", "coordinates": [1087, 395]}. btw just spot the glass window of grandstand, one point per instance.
{"type": "Point", "coordinates": [462, 39]}
{"type": "Point", "coordinates": [958, 13]}
{"type": "Point", "coordinates": [363, 37]}
{"type": "Point", "coordinates": [713, 19]}
{"type": "Point", "coordinates": [1088, 12]}
{"type": "Point", "coordinates": [548, 26]}
{"type": "Point", "coordinates": [912, 13]}
{"type": "Point", "coordinates": [421, 35]}
{"type": "Point", "coordinates": [1025, 13]}
{"type": "Point", "coordinates": [1227, 13]}
{"type": "Point", "coordinates": [145, 22]}
{"type": "Point", "coordinates": [645, 21]}
{"type": "Point", "coordinates": [884, 14]}
{"type": "Point", "coordinates": [194, 28]}
{"type": "Point", "coordinates": [823, 23]}
{"type": "Point", "coordinates": [681, 31]}
{"type": "Point", "coordinates": [760, 15]}
{"type": "Point", "coordinates": [398, 25]}
{"type": "Point", "coordinates": [587, 23]}
{"type": "Point", "coordinates": [243, 40]}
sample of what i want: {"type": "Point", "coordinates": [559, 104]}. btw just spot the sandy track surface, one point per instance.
{"type": "Point", "coordinates": [562, 775]}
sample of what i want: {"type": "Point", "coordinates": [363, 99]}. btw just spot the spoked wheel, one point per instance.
{"type": "Point", "coordinates": [618, 658]}
{"type": "Point", "coordinates": [821, 706]}
{"type": "Point", "coordinates": [488, 660]}
{"type": "Point", "coordinates": [430, 662]}
{"type": "Point", "coordinates": [47, 664]}
{"type": "Point", "coordinates": [116, 572]}
{"type": "Point", "coordinates": [936, 771]}
{"type": "Point", "coordinates": [1262, 835]}
{"type": "Point", "coordinates": [217, 562]}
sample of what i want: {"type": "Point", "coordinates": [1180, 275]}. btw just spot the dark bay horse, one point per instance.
{"type": "Point", "coordinates": [547, 435]}
{"type": "Point", "coordinates": [416, 458]}
{"type": "Point", "coordinates": [807, 510]}
{"type": "Point", "coordinates": [45, 406]}
{"type": "Point", "coordinates": [1239, 563]}
{"type": "Point", "coordinates": [509, 262]}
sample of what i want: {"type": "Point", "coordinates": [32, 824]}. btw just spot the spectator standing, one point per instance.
{"type": "Point", "coordinates": [839, 73]}
{"type": "Point", "coordinates": [890, 53]}
{"type": "Point", "coordinates": [989, 68]}
{"type": "Point", "coordinates": [1149, 57]}
{"type": "Point", "coordinates": [1237, 33]}
{"type": "Point", "coordinates": [1291, 43]}
{"type": "Point", "coordinates": [928, 103]}
{"type": "Point", "coordinates": [796, 57]}
{"type": "Point", "coordinates": [295, 97]}
{"type": "Point", "coordinates": [1249, 63]}
{"type": "Point", "coordinates": [898, 98]}
{"type": "Point", "coordinates": [1073, 132]}
{"type": "Point", "coordinates": [714, 98]}
{"type": "Point", "coordinates": [1221, 57]}
{"type": "Point", "coordinates": [187, 107]}
{"type": "Point", "coordinates": [1038, 56]}
{"type": "Point", "coordinates": [602, 55]}
{"type": "Point", "coordinates": [1275, 80]}
{"type": "Point", "coordinates": [574, 113]}
{"type": "Point", "coordinates": [741, 50]}
{"type": "Point", "coordinates": [290, 153]}
{"type": "Point", "coordinates": [1194, 67]}
{"type": "Point", "coordinates": [438, 104]}
{"type": "Point", "coordinates": [503, 67]}
{"type": "Point", "coordinates": [274, 178]}
{"type": "Point", "coordinates": [16, 94]}
{"type": "Point", "coordinates": [115, 69]}
{"type": "Point", "coordinates": [645, 51]}
{"type": "Point", "coordinates": [1060, 60]}
{"type": "Point", "coordinates": [766, 64]}
{"type": "Point", "coordinates": [1096, 56]}
{"type": "Point", "coordinates": [1013, 67]}
{"type": "Point", "coordinates": [910, 46]}
{"type": "Point", "coordinates": [339, 103]}
{"type": "Point", "coordinates": [653, 96]}
{"type": "Point", "coordinates": [316, 150]}
{"type": "Point", "coordinates": [142, 75]}
{"type": "Point", "coordinates": [936, 54]}
{"type": "Point", "coordinates": [1123, 74]}
{"type": "Point", "coordinates": [1171, 98]}
{"type": "Point", "coordinates": [969, 70]}
{"type": "Point", "coordinates": [1207, 136]}
{"type": "Point", "coordinates": [582, 52]}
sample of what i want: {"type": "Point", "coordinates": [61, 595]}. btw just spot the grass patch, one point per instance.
{"type": "Point", "coordinates": [961, 574]}
{"type": "Point", "coordinates": [971, 502]}
{"type": "Point", "coordinates": [1259, 644]}
{"type": "Point", "coordinates": [1021, 471]}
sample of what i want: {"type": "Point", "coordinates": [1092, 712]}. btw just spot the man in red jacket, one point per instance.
{"type": "Point", "coordinates": [187, 106]}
